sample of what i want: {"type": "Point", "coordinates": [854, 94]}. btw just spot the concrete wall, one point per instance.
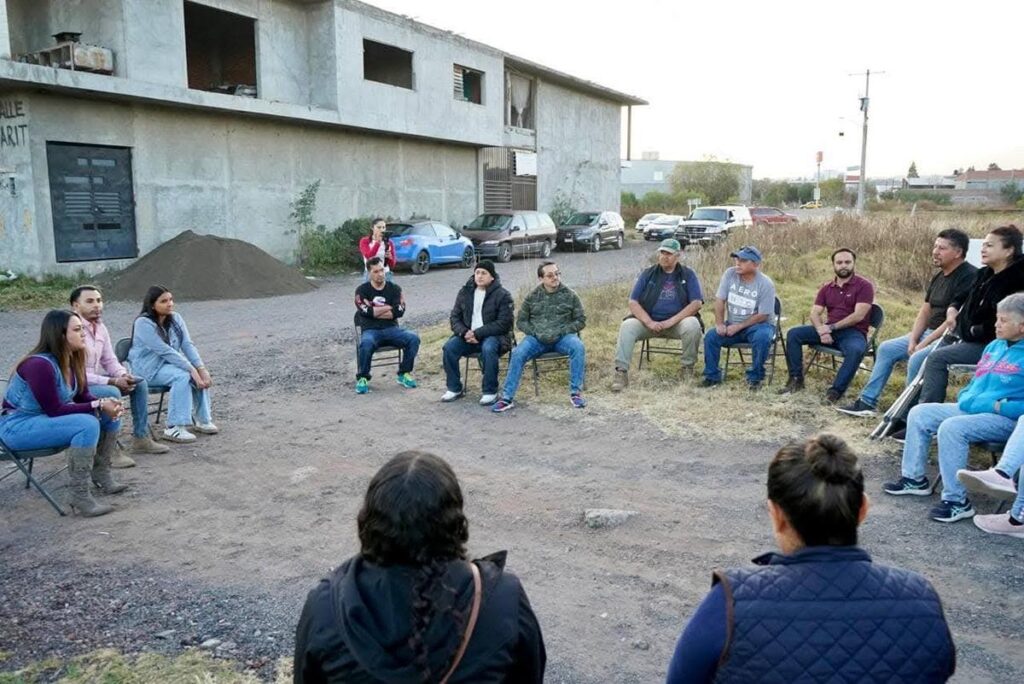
{"type": "Point", "coordinates": [223, 175]}
{"type": "Point", "coordinates": [577, 149]}
{"type": "Point", "coordinates": [430, 108]}
{"type": "Point", "coordinates": [32, 23]}
{"type": "Point", "coordinates": [18, 215]}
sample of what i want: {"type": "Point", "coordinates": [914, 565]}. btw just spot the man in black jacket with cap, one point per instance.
{"type": "Point", "coordinates": [481, 322]}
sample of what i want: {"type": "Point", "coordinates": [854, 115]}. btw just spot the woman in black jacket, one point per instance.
{"type": "Point", "coordinates": [975, 324]}
{"type": "Point", "coordinates": [399, 611]}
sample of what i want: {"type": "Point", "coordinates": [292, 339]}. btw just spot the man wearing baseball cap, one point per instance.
{"type": "Point", "coordinates": [665, 302]}
{"type": "Point", "coordinates": [744, 313]}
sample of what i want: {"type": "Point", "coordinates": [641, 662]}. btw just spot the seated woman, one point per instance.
{"type": "Point", "coordinates": [820, 611]}
{"type": "Point", "coordinates": [405, 607]}
{"type": "Point", "coordinates": [48, 405]}
{"type": "Point", "coordinates": [163, 354]}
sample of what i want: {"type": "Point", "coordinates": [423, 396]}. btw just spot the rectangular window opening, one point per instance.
{"type": "Point", "coordinates": [468, 84]}
{"type": "Point", "coordinates": [220, 51]}
{"type": "Point", "coordinates": [387, 64]}
{"type": "Point", "coordinates": [519, 97]}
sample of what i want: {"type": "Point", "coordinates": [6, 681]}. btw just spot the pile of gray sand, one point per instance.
{"type": "Point", "coordinates": [196, 267]}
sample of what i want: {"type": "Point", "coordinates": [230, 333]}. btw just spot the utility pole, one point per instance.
{"type": "Point", "coordinates": [864, 102]}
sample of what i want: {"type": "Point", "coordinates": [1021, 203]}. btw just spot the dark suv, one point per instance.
{"type": "Point", "coordinates": [501, 234]}
{"type": "Point", "coordinates": [592, 229]}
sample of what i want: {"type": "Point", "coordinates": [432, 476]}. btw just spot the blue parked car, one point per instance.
{"type": "Point", "coordinates": [424, 243]}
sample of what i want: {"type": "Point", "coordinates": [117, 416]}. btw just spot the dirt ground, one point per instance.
{"type": "Point", "coordinates": [222, 539]}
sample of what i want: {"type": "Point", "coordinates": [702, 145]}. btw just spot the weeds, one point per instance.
{"type": "Point", "coordinates": [28, 293]}
{"type": "Point", "coordinates": [324, 250]}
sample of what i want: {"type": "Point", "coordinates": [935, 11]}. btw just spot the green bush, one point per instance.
{"type": "Point", "coordinates": [322, 249]}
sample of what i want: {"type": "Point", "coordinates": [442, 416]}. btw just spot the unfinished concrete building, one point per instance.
{"type": "Point", "coordinates": [125, 122]}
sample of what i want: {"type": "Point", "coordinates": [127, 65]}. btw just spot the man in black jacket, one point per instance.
{"type": "Point", "coordinates": [481, 322]}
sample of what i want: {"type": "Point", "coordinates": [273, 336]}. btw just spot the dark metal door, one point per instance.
{"type": "Point", "coordinates": [93, 202]}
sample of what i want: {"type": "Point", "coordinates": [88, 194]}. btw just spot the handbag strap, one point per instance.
{"type": "Point", "coordinates": [470, 624]}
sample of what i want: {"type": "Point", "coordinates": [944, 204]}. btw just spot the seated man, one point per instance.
{"type": "Point", "coordinates": [108, 378]}
{"type": "Point", "coordinates": [744, 314]}
{"type": "Point", "coordinates": [551, 318]}
{"type": "Point", "coordinates": [847, 298]}
{"type": "Point", "coordinates": [986, 411]}
{"type": "Point", "coordinates": [999, 482]}
{"type": "Point", "coordinates": [481, 323]}
{"type": "Point", "coordinates": [951, 282]}
{"type": "Point", "coordinates": [665, 301]}
{"type": "Point", "coordinates": [379, 305]}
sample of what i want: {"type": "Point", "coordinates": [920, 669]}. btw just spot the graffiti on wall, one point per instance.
{"type": "Point", "coordinates": [13, 133]}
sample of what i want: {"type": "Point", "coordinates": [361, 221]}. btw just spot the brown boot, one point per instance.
{"type": "Point", "coordinates": [621, 380]}
{"type": "Point", "coordinates": [146, 445]}
{"type": "Point", "coordinates": [119, 459]}
{"type": "Point", "coordinates": [80, 464]}
{"type": "Point", "coordinates": [793, 385]}
{"type": "Point", "coordinates": [101, 476]}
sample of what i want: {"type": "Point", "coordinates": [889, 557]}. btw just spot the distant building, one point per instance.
{"type": "Point", "coordinates": [641, 176]}
{"type": "Point", "coordinates": [930, 183]}
{"type": "Point", "coordinates": [989, 180]}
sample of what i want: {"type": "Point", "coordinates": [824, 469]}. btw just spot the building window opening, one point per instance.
{"type": "Point", "coordinates": [519, 97]}
{"type": "Point", "coordinates": [220, 50]}
{"type": "Point", "coordinates": [469, 85]}
{"type": "Point", "coordinates": [387, 64]}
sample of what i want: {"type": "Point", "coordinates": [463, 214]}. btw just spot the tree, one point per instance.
{"type": "Point", "coordinates": [832, 191]}
{"type": "Point", "coordinates": [715, 180]}
{"type": "Point", "coordinates": [912, 171]}
{"type": "Point", "coordinates": [1011, 192]}
{"type": "Point", "coordinates": [994, 167]}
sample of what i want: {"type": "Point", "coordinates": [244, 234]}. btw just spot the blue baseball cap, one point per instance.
{"type": "Point", "coordinates": [748, 252]}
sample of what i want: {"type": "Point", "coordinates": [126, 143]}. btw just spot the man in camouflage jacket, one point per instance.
{"type": "Point", "coordinates": [551, 317]}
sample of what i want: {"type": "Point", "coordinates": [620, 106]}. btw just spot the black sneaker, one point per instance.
{"type": "Point", "coordinates": [906, 485]}
{"type": "Point", "coordinates": [792, 385]}
{"type": "Point", "coordinates": [858, 408]}
{"type": "Point", "coordinates": [832, 396]}
{"type": "Point", "coordinates": [708, 382]}
{"type": "Point", "coordinates": [951, 511]}
{"type": "Point", "coordinates": [900, 436]}
{"type": "Point", "coordinates": [754, 386]}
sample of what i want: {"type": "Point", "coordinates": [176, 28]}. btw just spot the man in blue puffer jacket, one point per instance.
{"type": "Point", "coordinates": [986, 411]}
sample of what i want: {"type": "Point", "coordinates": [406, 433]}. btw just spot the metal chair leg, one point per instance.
{"type": "Point", "coordinates": [30, 480]}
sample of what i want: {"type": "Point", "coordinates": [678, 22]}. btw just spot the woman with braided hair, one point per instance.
{"type": "Point", "coordinates": [820, 611]}
{"type": "Point", "coordinates": [410, 608]}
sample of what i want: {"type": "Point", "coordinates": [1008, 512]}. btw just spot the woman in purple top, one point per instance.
{"type": "Point", "coordinates": [47, 405]}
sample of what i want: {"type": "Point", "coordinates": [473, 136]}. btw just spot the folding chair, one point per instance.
{"type": "Point", "coordinates": [507, 356]}
{"type": "Point", "coordinates": [877, 318]}
{"type": "Point", "coordinates": [383, 356]}
{"type": "Point", "coordinates": [121, 349]}
{"type": "Point", "coordinates": [24, 461]}
{"type": "Point", "coordinates": [672, 348]}
{"type": "Point", "coordinates": [549, 360]}
{"type": "Point", "coordinates": [779, 338]}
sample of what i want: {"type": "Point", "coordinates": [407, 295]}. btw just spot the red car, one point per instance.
{"type": "Point", "coordinates": [768, 216]}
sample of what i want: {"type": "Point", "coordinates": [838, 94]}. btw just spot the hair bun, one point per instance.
{"type": "Point", "coordinates": [831, 459]}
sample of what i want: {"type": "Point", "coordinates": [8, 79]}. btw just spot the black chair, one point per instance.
{"type": "Point", "coordinates": [507, 357]}
{"type": "Point", "coordinates": [672, 348]}
{"type": "Point", "coordinates": [780, 338]}
{"type": "Point", "coordinates": [25, 460]}
{"type": "Point", "coordinates": [549, 360]}
{"type": "Point", "coordinates": [383, 356]}
{"type": "Point", "coordinates": [121, 349]}
{"type": "Point", "coordinates": [877, 318]}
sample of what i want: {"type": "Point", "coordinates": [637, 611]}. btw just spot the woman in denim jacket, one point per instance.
{"type": "Point", "coordinates": [47, 405]}
{"type": "Point", "coordinates": [162, 352]}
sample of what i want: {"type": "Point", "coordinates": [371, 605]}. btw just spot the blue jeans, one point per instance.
{"type": "Point", "coordinates": [186, 399]}
{"type": "Point", "coordinates": [852, 342]}
{"type": "Point", "coordinates": [530, 348]}
{"type": "Point", "coordinates": [456, 347]}
{"type": "Point", "coordinates": [24, 432]}
{"type": "Point", "coordinates": [139, 399]}
{"type": "Point", "coordinates": [1010, 463]}
{"type": "Point", "coordinates": [956, 431]}
{"type": "Point", "coordinates": [890, 353]}
{"type": "Point", "coordinates": [395, 336]}
{"type": "Point", "coordinates": [760, 336]}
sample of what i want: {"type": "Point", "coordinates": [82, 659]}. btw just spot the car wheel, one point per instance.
{"type": "Point", "coordinates": [595, 243]}
{"type": "Point", "coordinates": [468, 258]}
{"type": "Point", "coordinates": [545, 249]}
{"type": "Point", "coordinates": [504, 252]}
{"type": "Point", "coordinates": [421, 264]}
{"type": "Point", "coordinates": [619, 241]}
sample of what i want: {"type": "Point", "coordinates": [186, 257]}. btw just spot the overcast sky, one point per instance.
{"type": "Point", "coordinates": [767, 83]}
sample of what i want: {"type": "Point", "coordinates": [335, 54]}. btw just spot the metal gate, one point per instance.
{"type": "Point", "coordinates": [502, 188]}
{"type": "Point", "coordinates": [92, 201]}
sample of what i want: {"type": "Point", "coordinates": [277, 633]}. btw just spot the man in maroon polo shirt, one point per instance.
{"type": "Point", "coordinates": [847, 298]}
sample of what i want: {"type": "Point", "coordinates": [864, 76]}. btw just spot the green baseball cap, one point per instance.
{"type": "Point", "coordinates": [670, 245]}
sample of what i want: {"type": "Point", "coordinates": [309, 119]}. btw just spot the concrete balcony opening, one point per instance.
{"type": "Point", "coordinates": [220, 50]}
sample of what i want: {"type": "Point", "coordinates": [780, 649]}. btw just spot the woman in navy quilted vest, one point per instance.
{"type": "Point", "coordinates": [820, 611]}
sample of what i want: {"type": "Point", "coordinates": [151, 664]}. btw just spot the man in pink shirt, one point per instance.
{"type": "Point", "coordinates": [108, 378]}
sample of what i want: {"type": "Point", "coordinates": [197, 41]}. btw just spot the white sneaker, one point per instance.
{"type": "Point", "coordinates": [206, 428]}
{"type": "Point", "coordinates": [452, 396]}
{"type": "Point", "coordinates": [178, 433]}
{"type": "Point", "coordinates": [488, 399]}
